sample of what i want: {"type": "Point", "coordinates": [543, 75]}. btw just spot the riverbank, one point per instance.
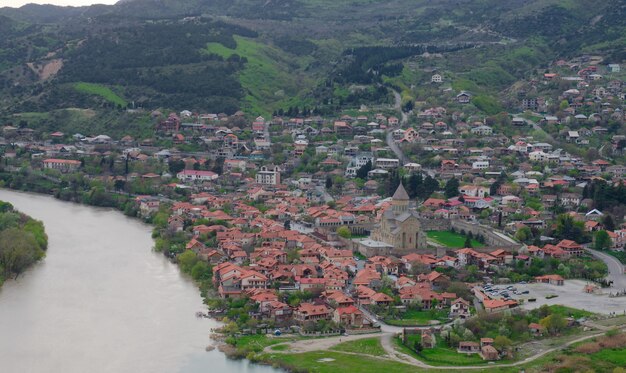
{"type": "Point", "coordinates": [199, 271]}
{"type": "Point", "coordinates": [101, 283]}
{"type": "Point", "coordinates": [23, 242]}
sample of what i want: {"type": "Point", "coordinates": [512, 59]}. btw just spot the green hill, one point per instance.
{"type": "Point", "coordinates": [224, 55]}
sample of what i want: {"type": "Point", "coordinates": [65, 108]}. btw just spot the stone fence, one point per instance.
{"type": "Point", "coordinates": [493, 240]}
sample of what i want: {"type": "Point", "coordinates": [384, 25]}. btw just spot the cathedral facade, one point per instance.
{"type": "Point", "coordinates": [400, 226]}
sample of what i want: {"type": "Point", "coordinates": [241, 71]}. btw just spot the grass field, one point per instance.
{"type": "Point", "coordinates": [450, 239]}
{"type": "Point", "coordinates": [568, 311]}
{"type": "Point", "coordinates": [280, 348]}
{"type": "Point", "coordinates": [614, 356]}
{"type": "Point", "coordinates": [441, 355]}
{"type": "Point", "coordinates": [102, 91]}
{"type": "Point", "coordinates": [418, 318]}
{"type": "Point", "coordinates": [332, 362]}
{"type": "Point", "coordinates": [369, 346]}
{"type": "Point", "coordinates": [337, 361]}
{"type": "Point", "coordinates": [257, 343]}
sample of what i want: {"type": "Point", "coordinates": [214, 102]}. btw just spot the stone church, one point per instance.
{"type": "Point", "coordinates": [400, 226]}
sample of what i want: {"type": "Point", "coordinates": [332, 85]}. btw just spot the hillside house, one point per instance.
{"type": "Point", "coordinates": [63, 165]}
{"type": "Point", "coordinates": [463, 98]}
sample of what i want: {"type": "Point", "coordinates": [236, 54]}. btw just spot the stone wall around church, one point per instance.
{"type": "Point", "coordinates": [492, 240]}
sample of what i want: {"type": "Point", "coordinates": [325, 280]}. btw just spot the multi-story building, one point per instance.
{"type": "Point", "coordinates": [268, 175]}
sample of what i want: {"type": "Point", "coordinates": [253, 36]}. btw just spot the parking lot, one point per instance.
{"type": "Point", "coordinates": [571, 294]}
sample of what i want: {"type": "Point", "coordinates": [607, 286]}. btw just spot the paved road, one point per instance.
{"type": "Point", "coordinates": [390, 141]}
{"type": "Point", "coordinates": [385, 328]}
{"type": "Point", "coordinates": [616, 269]}
{"type": "Point", "coordinates": [394, 146]}
{"type": "Point", "coordinates": [397, 104]}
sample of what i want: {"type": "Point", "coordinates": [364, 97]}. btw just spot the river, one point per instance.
{"type": "Point", "coordinates": [102, 301]}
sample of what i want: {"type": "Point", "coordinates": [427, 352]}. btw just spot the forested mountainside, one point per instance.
{"type": "Point", "coordinates": [225, 55]}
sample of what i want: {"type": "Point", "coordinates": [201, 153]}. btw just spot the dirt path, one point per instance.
{"type": "Point", "coordinates": [387, 343]}
{"type": "Point", "coordinates": [316, 344]}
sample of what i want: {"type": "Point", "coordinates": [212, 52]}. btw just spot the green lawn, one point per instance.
{"type": "Point", "coordinates": [258, 342]}
{"type": "Point", "coordinates": [568, 311]}
{"type": "Point", "coordinates": [102, 91]}
{"type": "Point", "coordinates": [280, 347]}
{"type": "Point", "coordinates": [614, 356]}
{"type": "Point", "coordinates": [335, 361]}
{"type": "Point", "coordinates": [369, 346]}
{"type": "Point", "coordinates": [441, 354]}
{"type": "Point", "coordinates": [450, 239]}
{"type": "Point", "coordinates": [332, 362]}
{"type": "Point", "coordinates": [417, 318]}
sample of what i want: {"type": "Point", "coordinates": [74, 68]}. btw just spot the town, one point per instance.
{"type": "Point", "coordinates": [463, 238]}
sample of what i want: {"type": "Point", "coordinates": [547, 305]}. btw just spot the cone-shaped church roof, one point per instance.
{"type": "Point", "coordinates": [400, 194]}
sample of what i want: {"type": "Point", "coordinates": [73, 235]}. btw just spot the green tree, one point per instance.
{"type": "Point", "coordinates": [18, 250]}
{"type": "Point", "coordinates": [176, 166]}
{"type": "Point", "coordinates": [414, 185]}
{"type": "Point", "coordinates": [201, 271]}
{"type": "Point", "coordinates": [187, 260]}
{"type": "Point", "coordinates": [430, 186]}
{"type": "Point", "coordinates": [568, 228]}
{"type": "Point", "coordinates": [501, 342]}
{"type": "Point", "coordinates": [524, 234]}
{"type": "Point", "coordinates": [601, 240]}
{"type": "Point", "coordinates": [362, 172]}
{"type": "Point", "coordinates": [554, 323]}
{"type": "Point", "coordinates": [608, 222]}
{"type": "Point", "coordinates": [468, 242]}
{"type": "Point", "coordinates": [344, 232]}
{"type": "Point", "coordinates": [452, 188]}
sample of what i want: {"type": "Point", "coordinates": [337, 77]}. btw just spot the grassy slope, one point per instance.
{"type": "Point", "coordinates": [102, 91]}
{"type": "Point", "coordinates": [268, 76]}
{"type": "Point", "coordinates": [90, 122]}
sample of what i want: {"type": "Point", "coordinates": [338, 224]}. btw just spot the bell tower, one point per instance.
{"type": "Point", "coordinates": [400, 200]}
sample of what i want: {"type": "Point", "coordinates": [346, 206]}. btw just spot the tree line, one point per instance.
{"type": "Point", "coordinates": [23, 241]}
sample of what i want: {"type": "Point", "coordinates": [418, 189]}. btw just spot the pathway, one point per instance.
{"type": "Point", "coordinates": [316, 344]}
{"type": "Point", "coordinates": [393, 354]}
{"type": "Point", "coordinates": [404, 119]}
{"type": "Point", "coordinates": [616, 268]}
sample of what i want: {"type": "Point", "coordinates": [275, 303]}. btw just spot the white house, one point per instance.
{"type": "Point", "coordinates": [268, 175]}
{"type": "Point", "coordinates": [538, 156]}
{"type": "Point", "coordinates": [195, 175]}
{"type": "Point", "coordinates": [387, 163]}
{"type": "Point", "coordinates": [614, 67]}
{"type": "Point", "coordinates": [480, 165]}
{"type": "Point", "coordinates": [436, 78]}
{"type": "Point", "coordinates": [482, 131]}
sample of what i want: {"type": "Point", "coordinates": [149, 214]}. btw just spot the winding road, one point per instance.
{"type": "Point", "coordinates": [616, 268]}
